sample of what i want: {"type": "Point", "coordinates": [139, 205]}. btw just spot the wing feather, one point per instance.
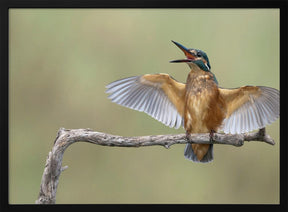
{"type": "Point", "coordinates": [158, 95]}
{"type": "Point", "coordinates": [161, 114]}
{"type": "Point", "coordinates": [250, 108]}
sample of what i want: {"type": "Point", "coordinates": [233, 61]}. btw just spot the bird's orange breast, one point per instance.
{"type": "Point", "coordinates": [204, 108]}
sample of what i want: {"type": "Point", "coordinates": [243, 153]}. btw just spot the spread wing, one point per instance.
{"type": "Point", "coordinates": [158, 95]}
{"type": "Point", "coordinates": [249, 108]}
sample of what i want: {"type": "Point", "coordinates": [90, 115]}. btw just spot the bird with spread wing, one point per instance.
{"type": "Point", "coordinates": [200, 105]}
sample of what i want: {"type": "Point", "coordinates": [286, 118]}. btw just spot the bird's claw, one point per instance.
{"type": "Point", "coordinates": [188, 136]}
{"type": "Point", "coordinates": [211, 134]}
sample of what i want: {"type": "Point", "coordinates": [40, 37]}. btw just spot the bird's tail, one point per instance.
{"type": "Point", "coordinates": [190, 155]}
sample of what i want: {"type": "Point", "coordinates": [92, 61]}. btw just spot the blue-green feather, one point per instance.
{"type": "Point", "coordinates": [204, 67]}
{"type": "Point", "coordinates": [214, 77]}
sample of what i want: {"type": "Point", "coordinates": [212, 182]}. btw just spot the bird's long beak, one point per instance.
{"type": "Point", "coordinates": [190, 56]}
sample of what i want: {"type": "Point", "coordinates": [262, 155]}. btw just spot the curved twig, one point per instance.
{"type": "Point", "coordinates": [66, 137]}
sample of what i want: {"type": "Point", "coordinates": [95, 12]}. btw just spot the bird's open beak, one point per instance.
{"type": "Point", "coordinates": [190, 56]}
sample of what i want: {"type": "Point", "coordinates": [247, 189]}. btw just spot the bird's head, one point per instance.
{"type": "Point", "coordinates": [193, 56]}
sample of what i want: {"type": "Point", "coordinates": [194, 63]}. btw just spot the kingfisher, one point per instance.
{"type": "Point", "coordinates": [199, 105]}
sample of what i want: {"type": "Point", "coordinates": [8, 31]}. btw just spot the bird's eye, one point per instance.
{"type": "Point", "coordinates": [199, 54]}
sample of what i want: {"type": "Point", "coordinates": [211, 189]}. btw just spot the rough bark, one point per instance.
{"type": "Point", "coordinates": [66, 137]}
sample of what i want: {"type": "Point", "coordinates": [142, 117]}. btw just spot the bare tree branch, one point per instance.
{"type": "Point", "coordinates": [66, 137]}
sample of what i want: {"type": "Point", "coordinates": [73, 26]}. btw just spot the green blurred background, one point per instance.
{"type": "Point", "coordinates": [59, 63]}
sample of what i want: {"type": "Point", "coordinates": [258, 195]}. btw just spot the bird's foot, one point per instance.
{"type": "Point", "coordinates": [211, 134]}
{"type": "Point", "coordinates": [188, 136]}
